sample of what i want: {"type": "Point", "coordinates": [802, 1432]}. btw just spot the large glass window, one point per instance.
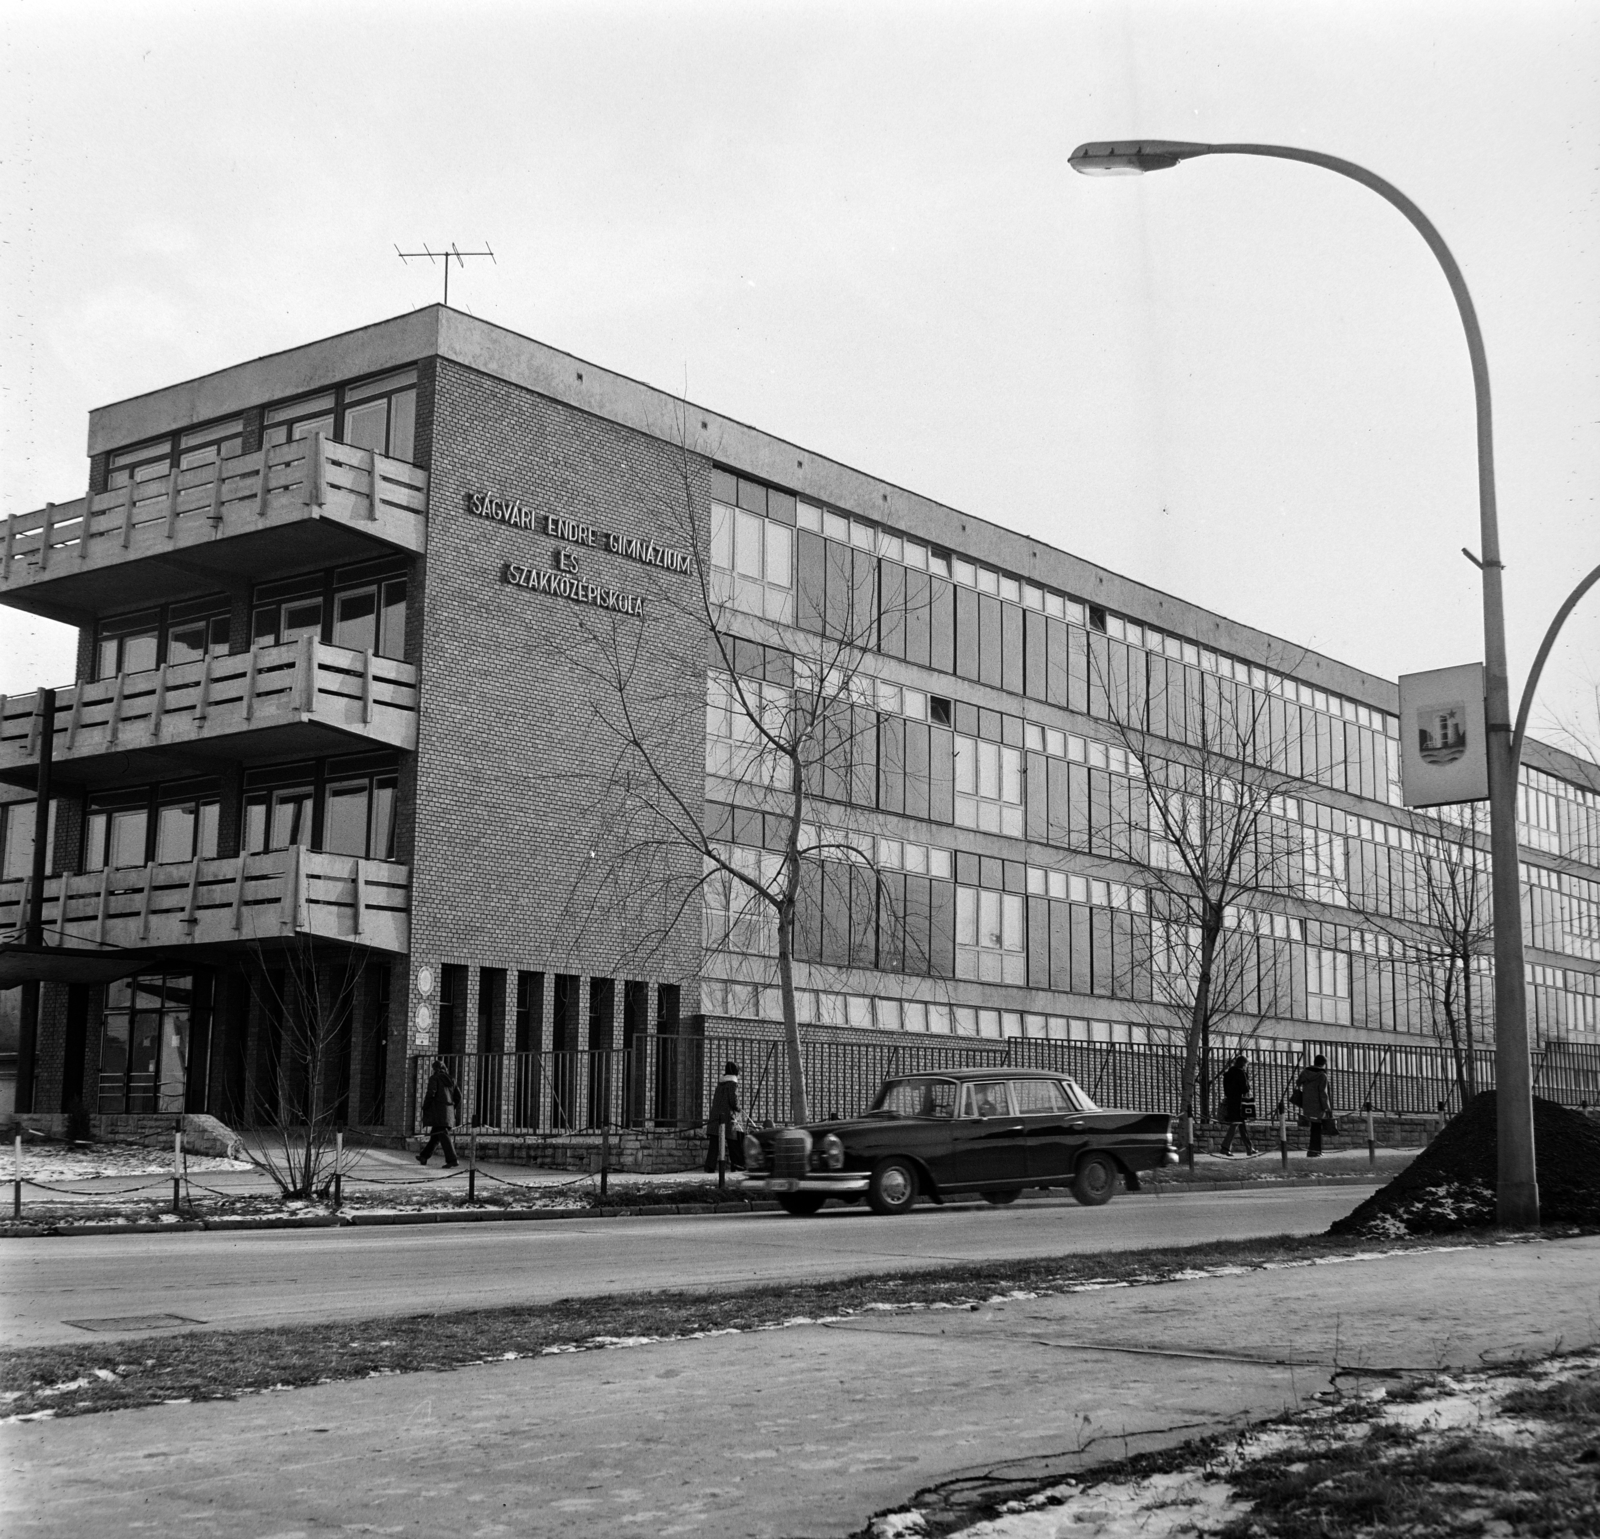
{"type": "Point", "coordinates": [195, 631]}
{"type": "Point", "coordinates": [127, 644]}
{"type": "Point", "coordinates": [752, 560]}
{"type": "Point", "coordinates": [16, 838]}
{"type": "Point", "coordinates": [1328, 986]}
{"type": "Point", "coordinates": [144, 1044]}
{"type": "Point", "coordinates": [988, 786]}
{"type": "Point", "coordinates": [375, 414]}
{"type": "Point", "coordinates": [991, 935]}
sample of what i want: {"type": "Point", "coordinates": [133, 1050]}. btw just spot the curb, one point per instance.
{"type": "Point", "coordinates": [731, 1209]}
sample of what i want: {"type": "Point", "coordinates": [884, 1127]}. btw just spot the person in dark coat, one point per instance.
{"type": "Point", "coordinates": [1316, 1107]}
{"type": "Point", "coordinates": [1235, 1092]}
{"type": "Point", "coordinates": [441, 1111]}
{"type": "Point", "coordinates": [722, 1122]}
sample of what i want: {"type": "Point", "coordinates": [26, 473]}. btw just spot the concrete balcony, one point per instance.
{"type": "Point", "coordinates": [298, 505]}
{"type": "Point", "coordinates": [225, 901]}
{"type": "Point", "coordinates": [297, 700]}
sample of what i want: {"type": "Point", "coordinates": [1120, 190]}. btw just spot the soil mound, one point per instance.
{"type": "Point", "coordinates": [1450, 1185]}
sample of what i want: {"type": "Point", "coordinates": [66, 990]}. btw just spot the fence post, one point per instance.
{"type": "Point", "coordinates": [605, 1158]}
{"type": "Point", "coordinates": [338, 1172]}
{"type": "Point", "coordinates": [722, 1156]}
{"type": "Point", "coordinates": [1372, 1141]}
{"type": "Point", "coordinates": [472, 1154]}
{"type": "Point", "coordinates": [16, 1185]}
{"type": "Point", "coordinates": [177, 1167]}
{"type": "Point", "coordinates": [1283, 1133]}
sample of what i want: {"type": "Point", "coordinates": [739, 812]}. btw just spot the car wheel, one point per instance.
{"type": "Point", "coordinates": [802, 1204]}
{"type": "Point", "coordinates": [893, 1187]}
{"type": "Point", "coordinates": [1095, 1180]}
{"type": "Point", "coordinates": [1000, 1199]}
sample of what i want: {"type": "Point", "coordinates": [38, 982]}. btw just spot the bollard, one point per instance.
{"type": "Point", "coordinates": [1372, 1139]}
{"type": "Point", "coordinates": [338, 1172]}
{"type": "Point", "coordinates": [16, 1186]}
{"type": "Point", "coordinates": [472, 1161]}
{"type": "Point", "coordinates": [177, 1169]}
{"type": "Point", "coordinates": [1283, 1135]}
{"type": "Point", "coordinates": [722, 1156]}
{"type": "Point", "coordinates": [1188, 1141]}
{"type": "Point", "coordinates": [605, 1157]}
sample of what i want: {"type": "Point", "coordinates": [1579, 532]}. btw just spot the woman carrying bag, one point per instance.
{"type": "Point", "coordinates": [1312, 1096]}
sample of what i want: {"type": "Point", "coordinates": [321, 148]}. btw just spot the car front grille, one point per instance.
{"type": "Point", "coordinates": [790, 1152]}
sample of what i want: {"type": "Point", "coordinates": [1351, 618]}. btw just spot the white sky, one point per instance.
{"type": "Point", "coordinates": [853, 225]}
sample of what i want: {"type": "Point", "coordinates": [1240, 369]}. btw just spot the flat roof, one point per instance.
{"type": "Point", "coordinates": [493, 350]}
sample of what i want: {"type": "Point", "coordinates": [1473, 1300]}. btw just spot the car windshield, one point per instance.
{"type": "Point", "coordinates": [916, 1098]}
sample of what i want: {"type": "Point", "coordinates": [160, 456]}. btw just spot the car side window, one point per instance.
{"type": "Point", "coordinates": [987, 1098]}
{"type": "Point", "coordinates": [1036, 1097]}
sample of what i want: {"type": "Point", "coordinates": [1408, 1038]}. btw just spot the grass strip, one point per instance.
{"type": "Point", "coordinates": [94, 1375]}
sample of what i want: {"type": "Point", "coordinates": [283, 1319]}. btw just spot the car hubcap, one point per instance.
{"type": "Point", "coordinates": [1098, 1179]}
{"type": "Point", "coordinates": [895, 1186]}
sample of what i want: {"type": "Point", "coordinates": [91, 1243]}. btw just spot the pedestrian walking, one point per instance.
{"type": "Point", "coordinates": [723, 1120]}
{"type": "Point", "coordinates": [1237, 1106]}
{"type": "Point", "coordinates": [1316, 1105]}
{"type": "Point", "coordinates": [441, 1111]}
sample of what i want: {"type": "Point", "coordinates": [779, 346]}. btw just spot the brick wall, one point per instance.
{"type": "Point", "coordinates": [511, 791]}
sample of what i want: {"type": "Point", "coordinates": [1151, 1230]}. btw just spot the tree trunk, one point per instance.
{"type": "Point", "coordinates": [1199, 1018]}
{"type": "Point", "coordinates": [791, 1018]}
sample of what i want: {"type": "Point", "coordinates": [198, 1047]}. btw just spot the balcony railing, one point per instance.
{"type": "Point", "coordinates": [310, 478]}
{"type": "Point", "coordinates": [272, 896]}
{"type": "Point", "coordinates": [300, 684]}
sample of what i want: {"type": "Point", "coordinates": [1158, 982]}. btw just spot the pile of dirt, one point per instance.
{"type": "Point", "coordinates": [1451, 1184]}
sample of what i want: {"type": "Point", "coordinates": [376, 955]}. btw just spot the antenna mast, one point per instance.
{"type": "Point", "coordinates": [452, 251]}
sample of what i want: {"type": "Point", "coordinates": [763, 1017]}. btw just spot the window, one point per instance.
{"type": "Point", "coordinates": [1037, 1097]}
{"type": "Point", "coordinates": [372, 619]}
{"type": "Point", "coordinates": [991, 935]}
{"type": "Point", "coordinates": [733, 747]}
{"type": "Point", "coordinates": [917, 1098]}
{"type": "Point", "coordinates": [128, 644]}
{"type": "Point", "coordinates": [375, 414]}
{"type": "Point", "coordinates": [1328, 986]}
{"type": "Point", "coordinates": [205, 445]}
{"type": "Point", "coordinates": [988, 786]}
{"type": "Point", "coordinates": [190, 639]}
{"type": "Point", "coordinates": [358, 810]}
{"type": "Point", "coordinates": [144, 1044]}
{"type": "Point", "coordinates": [143, 462]}
{"type": "Point", "coordinates": [187, 829]}
{"type": "Point", "coordinates": [116, 835]}
{"type": "Point", "coordinates": [287, 621]}
{"type": "Point", "coordinates": [987, 1098]}
{"type": "Point", "coordinates": [752, 560]}
{"type": "Point", "coordinates": [16, 837]}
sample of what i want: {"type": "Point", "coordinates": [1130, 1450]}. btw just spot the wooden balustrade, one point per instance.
{"type": "Point", "coordinates": [373, 698]}
{"type": "Point", "coordinates": [225, 899]}
{"type": "Point", "coordinates": [310, 477]}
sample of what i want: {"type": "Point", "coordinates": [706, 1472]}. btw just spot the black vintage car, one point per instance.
{"type": "Point", "coordinates": [991, 1132]}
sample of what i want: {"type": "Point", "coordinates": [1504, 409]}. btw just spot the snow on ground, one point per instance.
{"type": "Point", "coordinates": [1198, 1499]}
{"type": "Point", "coordinates": [58, 1162]}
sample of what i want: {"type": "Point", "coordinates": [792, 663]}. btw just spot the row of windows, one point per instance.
{"type": "Point", "coordinates": [366, 613]}
{"type": "Point", "coordinates": [375, 414]}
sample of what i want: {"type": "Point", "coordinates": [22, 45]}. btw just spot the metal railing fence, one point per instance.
{"type": "Point", "coordinates": [667, 1082]}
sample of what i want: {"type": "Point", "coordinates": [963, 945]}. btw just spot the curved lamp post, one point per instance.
{"type": "Point", "coordinates": [1517, 1198]}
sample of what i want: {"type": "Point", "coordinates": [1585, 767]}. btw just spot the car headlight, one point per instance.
{"type": "Point", "coordinates": [755, 1157]}
{"type": "Point", "coordinates": [830, 1152]}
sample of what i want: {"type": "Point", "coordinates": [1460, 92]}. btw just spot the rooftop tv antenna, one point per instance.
{"type": "Point", "coordinates": [451, 251]}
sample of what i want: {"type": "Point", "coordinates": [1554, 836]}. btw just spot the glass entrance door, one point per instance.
{"type": "Point", "coordinates": [144, 1044]}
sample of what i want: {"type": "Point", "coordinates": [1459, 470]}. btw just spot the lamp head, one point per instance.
{"type": "Point", "coordinates": [1132, 157]}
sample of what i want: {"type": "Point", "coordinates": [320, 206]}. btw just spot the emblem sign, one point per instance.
{"type": "Point", "coordinates": [1443, 742]}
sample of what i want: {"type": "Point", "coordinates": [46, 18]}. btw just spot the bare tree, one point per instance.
{"type": "Point", "coordinates": [723, 685]}
{"type": "Point", "coordinates": [306, 996]}
{"type": "Point", "coordinates": [1206, 817]}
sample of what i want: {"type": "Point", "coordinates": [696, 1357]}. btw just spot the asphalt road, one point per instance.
{"type": "Point", "coordinates": [276, 1277]}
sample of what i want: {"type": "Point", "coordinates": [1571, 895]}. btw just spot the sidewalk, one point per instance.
{"type": "Point", "coordinates": [798, 1433]}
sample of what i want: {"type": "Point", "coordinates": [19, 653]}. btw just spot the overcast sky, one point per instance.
{"type": "Point", "coordinates": [853, 225]}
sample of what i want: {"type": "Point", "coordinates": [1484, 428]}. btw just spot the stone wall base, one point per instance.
{"type": "Point", "coordinates": [202, 1133]}
{"type": "Point", "coordinates": [633, 1151]}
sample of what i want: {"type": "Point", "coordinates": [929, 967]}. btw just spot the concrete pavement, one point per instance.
{"type": "Point", "coordinates": [280, 1277]}
{"type": "Point", "coordinates": [792, 1434]}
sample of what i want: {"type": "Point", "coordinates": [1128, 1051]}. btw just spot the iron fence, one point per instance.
{"type": "Point", "coordinates": [667, 1082]}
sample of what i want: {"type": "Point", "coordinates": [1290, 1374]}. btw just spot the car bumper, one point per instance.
{"type": "Point", "coordinates": [830, 1183]}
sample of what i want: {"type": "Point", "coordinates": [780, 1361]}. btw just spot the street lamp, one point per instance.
{"type": "Point", "coordinates": [1517, 1197]}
